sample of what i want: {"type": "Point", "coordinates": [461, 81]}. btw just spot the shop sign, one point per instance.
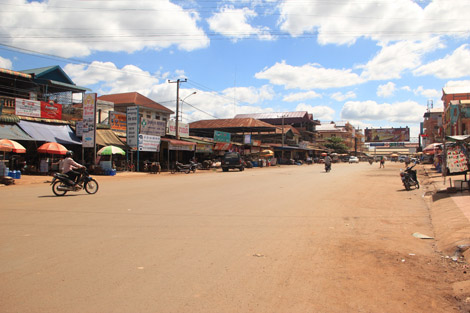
{"type": "Point", "coordinates": [89, 120]}
{"type": "Point", "coordinates": [51, 110]}
{"type": "Point", "coordinates": [247, 140]}
{"type": "Point", "coordinates": [149, 143]}
{"type": "Point", "coordinates": [153, 127]}
{"type": "Point", "coordinates": [181, 147]}
{"type": "Point", "coordinates": [223, 146]}
{"type": "Point", "coordinates": [204, 148]}
{"type": "Point", "coordinates": [132, 129]}
{"type": "Point", "coordinates": [256, 143]}
{"type": "Point", "coordinates": [117, 121]}
{"type": "Point", "coordinates": [25, 107]}
{"type": "Point", "coordinates": [79, 129]}
{"type": "Point", "coordinates": [183, 129]}
{"type": "Point", "coordinates": [221, 136]}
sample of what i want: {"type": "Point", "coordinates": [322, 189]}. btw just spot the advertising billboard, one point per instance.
{"type": "Point", "coordinates": [387, 134]}
{"type": "Point", "coordinates": [33, 108]}
{"type": "Point", "coordinates": [89, 120]}
{"type": "Point", "coordinates": [132, 128]}
{"type": "Point", "coordinates": [117, 121]}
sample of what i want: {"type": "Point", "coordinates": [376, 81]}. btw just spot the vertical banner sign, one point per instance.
{"type": "Point", "coordinates": [132, 129]}
{"type": "Point", "coordinates": [89, 120]}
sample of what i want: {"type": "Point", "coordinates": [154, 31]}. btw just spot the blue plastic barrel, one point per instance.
{"type": "Point", "coordinates": [113, 172]}
{"type": "Point", "coordinates": [18, 175]}
{"type": "Point", "coordinates": [11, 174]}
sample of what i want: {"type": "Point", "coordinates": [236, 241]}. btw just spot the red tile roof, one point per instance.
{"type": "Point", "coordinates": [135, 98]}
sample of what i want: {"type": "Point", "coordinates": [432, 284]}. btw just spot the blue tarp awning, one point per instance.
{"type": "Point", "coordinates": [13, 132]}
{"type": "Point", "coordinates": [62, 134]}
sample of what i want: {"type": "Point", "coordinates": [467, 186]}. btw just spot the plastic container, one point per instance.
{"type": "Point", "coordinates": [113, 172]}
{"type": "Point", "coordinates": [11, 174]}
{"type": "Point", "coordinates": [18, 175]}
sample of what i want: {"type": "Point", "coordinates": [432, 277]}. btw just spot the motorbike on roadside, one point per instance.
{"type": "Point", "coordinates": [409, 177]}
{"type": "Point", "coordinates": [61, 183]}
{"type": "Point", "coordinates": [185, 168]}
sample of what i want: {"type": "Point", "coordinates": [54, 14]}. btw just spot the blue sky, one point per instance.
{"type": "Point", "coordinates": [374, 63]}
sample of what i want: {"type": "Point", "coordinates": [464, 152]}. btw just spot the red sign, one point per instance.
{"type": "Point", "coordinates": [51, 110]}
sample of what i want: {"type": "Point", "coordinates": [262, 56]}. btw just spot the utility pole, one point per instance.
{"type": "Point", "coordinates": [178, 81]}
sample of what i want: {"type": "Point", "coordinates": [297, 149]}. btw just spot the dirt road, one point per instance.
{"type": "Point", "coordinates": [289, 239]}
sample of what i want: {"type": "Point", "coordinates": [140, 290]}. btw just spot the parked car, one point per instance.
{"type": "Point", "coordinates": [353, 159]}
{"type": "Point", "coordinates": [232, 160]}
{"type": "Point", "coordinates": [401, 158]}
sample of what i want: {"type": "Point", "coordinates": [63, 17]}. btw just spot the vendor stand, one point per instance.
{"type": "Point", "coordinates": [456, 157]}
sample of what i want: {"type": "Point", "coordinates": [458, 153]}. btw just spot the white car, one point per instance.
{"type": "Point", "coordinates": [353, 159]}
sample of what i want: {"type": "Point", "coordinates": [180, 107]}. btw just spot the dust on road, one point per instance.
{"type": "Point", "coordinates": [289, 239]}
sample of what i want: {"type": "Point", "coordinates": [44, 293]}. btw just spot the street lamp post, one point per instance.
{"type": "Point", "coordinates": [182, 101]}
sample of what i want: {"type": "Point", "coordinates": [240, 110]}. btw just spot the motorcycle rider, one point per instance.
{"type": "Point", "coordinates": [70, 165]}
{"type": "Point", "coordinates": [327, 162]}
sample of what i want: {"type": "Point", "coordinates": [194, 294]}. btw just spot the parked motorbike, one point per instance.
{"type": "Point", "coordinates": [409, 178]}
{"type": "Point", "coordinates": [185, 168]}
{"type": "Point", "coordinates": [61, 183]}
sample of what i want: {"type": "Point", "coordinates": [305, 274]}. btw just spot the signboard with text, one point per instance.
{"type": "Point", "coordinates": [117, 121]}
{"type": "Point", "coordinates": [221, 136]}
{"type": "Point", "coordinates": [89, 120]}
{"type": "Point", "coordinates": [387, 134]}
{"type": "Point", "coordinates": [153, 127]}
{"type": "Point", "coordinates": [183, 129]}
{"type": "Point", "coordinates": [33, 108]}
{"type": "Point", "coordinates": [132, 129]}
{"type": "Point", "coordinates": [149, 143]}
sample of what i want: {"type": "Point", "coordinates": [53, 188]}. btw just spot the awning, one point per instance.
{"type": "Point", "coordinates": [52, 133]}
{"type": "Point", "coordinates": [106, 137]}
{"type": "Point", "coordinates": [13, 132]}
{"type": "Point", "coordinates": [224, 146]}
{"type": "Point", "coordinates": [174, 144]}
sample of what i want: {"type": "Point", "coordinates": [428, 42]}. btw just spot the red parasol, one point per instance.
{"type": "Point", "coordinates": [12, 145]}
{"type": "Point", "coordinates": [52, 148]}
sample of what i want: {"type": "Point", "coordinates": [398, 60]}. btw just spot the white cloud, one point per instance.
{"type": "Point", "coordinates": [111, 79]}
{"type": "Point", "coordinates": [339, 96]}
{"type": "Point", "coordinates": [308, 76]}
{"type": "Point", "coordinates": [399, 112]}
{"type": "Point", "coordinates": [54, 27]}
{"type": "Point", "coordinates": [249, 94]}
{"type": "Point", "coordinates": [393, 59]}
{"type": "Point", "coordinates": [319, 112]}
{"type": "Point", "coordinates": [343, 22]}
{"type": "Point", "coordinates": [6, 63]}
{"type": "Point", "coordinates": [451, 66]}
{"type": "Point", "coordinates": [292, 97]}
{"type": "Point", "coordinates": [428, 93]}
{"type": "Point", "coordinates": [386, 90]}
{"type": "Point", "coordinates": [233, 23]}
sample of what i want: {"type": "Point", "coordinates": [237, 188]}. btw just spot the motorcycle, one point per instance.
{"type": "Point", "coordinates": [327, 167]}
{"type": "Point", "coordinates": [61, 183]}
{"type": "Point", "coordinates": [409, 178]}
{"type": "Point", "coordinates": [185, 168]}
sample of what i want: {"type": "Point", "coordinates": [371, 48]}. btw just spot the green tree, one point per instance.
{"type": "Point", "coordinates": [336, 144]}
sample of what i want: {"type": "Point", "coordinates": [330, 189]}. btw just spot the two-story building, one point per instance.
{"type": "Point", "coordinates": [455, 111]}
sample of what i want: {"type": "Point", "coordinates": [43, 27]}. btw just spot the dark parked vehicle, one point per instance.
{"type": "Point", "coordinates": [232, 160]}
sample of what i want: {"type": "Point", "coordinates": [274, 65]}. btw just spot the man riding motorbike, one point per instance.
{"type": "Point", "coordinates": [328, 161]}
{"type": "Point", "coordinates": [69, 165]}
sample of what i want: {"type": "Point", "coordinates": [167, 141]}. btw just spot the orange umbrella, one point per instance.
{"type": "Point", "coordinates": [52, 148]}
{"type": "Point", "coordinates": [15, 146]}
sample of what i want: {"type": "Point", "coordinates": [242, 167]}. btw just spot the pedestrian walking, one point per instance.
{"type": "Point", "coordinates": [382, 162]}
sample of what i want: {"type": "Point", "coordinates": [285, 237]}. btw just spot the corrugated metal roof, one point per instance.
{"type": "Point", "coordinates": [274, 115]}
{"type": "Point", "coordinates": [6, 71]}
{"type": "Point", "coordinates": [134, 98]}
{"type": "Point", "coordinates": [231, 123]}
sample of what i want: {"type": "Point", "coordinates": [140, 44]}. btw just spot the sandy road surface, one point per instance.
{"type": "Point", "coordinates": [290, 239]}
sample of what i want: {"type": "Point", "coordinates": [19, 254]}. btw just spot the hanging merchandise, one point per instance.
{"type": "Point", "coordinates": [457, 161]}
